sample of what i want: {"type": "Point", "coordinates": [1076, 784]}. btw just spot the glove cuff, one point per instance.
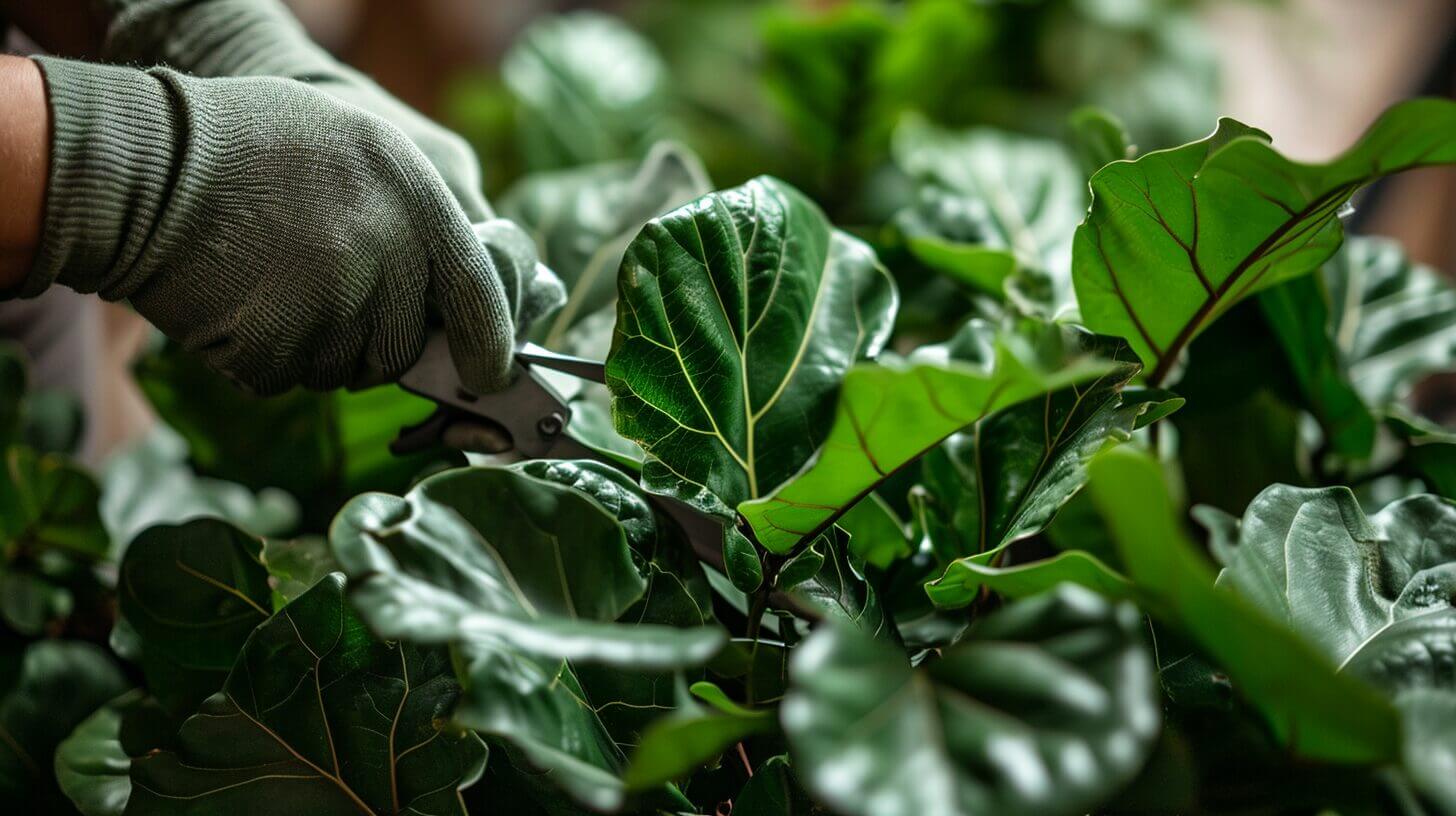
{"type": "Point", "coordinates": [114, 137]}
{"type": "Point", "coordinates": [215, 38]}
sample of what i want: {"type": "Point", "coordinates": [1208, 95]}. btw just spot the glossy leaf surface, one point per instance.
{"type": "Point", "coordinates": [891, 413]}
{"type": "Point", "coordinates": [1176, 237]}
{"type": "Point", "coordinates": [1313, 710]}
{"type": "Point", "coordinates": [1044, 708]}
{"type": "Point", "coordinates": [739, 315]}
{"type": "Point", "coordinates": [318, 717]}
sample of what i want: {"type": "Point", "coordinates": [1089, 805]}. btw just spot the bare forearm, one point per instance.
{"type": "Point", "coordinates": [67, 28]}
{"type": "Point", "coordinates": [24, 161]}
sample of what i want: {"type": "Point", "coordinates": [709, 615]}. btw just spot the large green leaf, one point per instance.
{"type": "Point", "coordinates": [191, 594]}
{"type": "Point", "coordinates": [583, 219]}
{"type": "Point", "coordinates": [1315, 711]}
{"type": "Point", "coordinates": [440, 566]}
{"type": "Point", "coordinates": [318, 717]}
{"type": "Point", "coordinates": [1176, 237]}
{"type": "Point", "coordinates": [1005, 479]}
{"type": "Point", "coordinates": [1311, 559]}
{"type": "Point", "coordinates": [588, 89]}
{"type": "Point", "coordinates": [990, 203]}
{"type": "Point", "coordinates": [1044, 708]}
{"type": "Point", "coordinates": [891, 413]}
{"type": "Point", "coordinates": [59, 683]}
{"type": "Point", "coordinates": [93, 764]}
{"type": "Point", "coordinates": [739, 315]}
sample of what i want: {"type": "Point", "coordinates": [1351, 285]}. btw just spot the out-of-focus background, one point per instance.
{"type": "Point", "coordinates": [810, 90]}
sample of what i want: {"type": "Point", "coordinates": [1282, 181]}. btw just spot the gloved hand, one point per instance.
{"type": "Point", "coordinates": [287, 236]}
{"type": "Point", "coordinates": [217, 38]}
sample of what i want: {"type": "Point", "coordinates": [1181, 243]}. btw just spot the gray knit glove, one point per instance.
{"type": "Point", "coordinates": [217, 38]}
{"type": "Point", "coordinates": [286, 236]}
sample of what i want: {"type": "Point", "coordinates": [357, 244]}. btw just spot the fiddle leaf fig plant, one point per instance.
{"type": "Point", "coordinates": [1142, 503]}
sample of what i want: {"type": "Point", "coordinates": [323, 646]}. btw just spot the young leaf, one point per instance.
{"type": "Point", "coordinates": [738, 316]}
{"type": "Point", "coordinates": [317, 717]}
{"type": "Point", "coordinates": [1316, 712]}
{"type": "Point", "coordinates": [1178, 236]}
{"type": "Point", "coordinates": [987, 728]}
{"type": "Point", "coordinates": [891, 413]}
{"type": "Point", "coordinates": [1311, 559]}
{"type": "Point", "coordinates": [583, 219]}
{"type": "Point", "coordinates": [839, 589]}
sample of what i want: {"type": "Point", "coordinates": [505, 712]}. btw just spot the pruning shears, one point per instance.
{"type": "Point", "coordinates": [529, 419]}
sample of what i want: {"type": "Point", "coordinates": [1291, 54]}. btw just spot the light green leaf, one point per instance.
{"type": "Point", "coordinates": [588, 89]}
{"type": "Point", "coordinates": [1176, 237]}
{"type": "Point", "coordinates": [59, 684]}
{"type": "Point", "coordinates": [317, 717]}
{"type": "Point", "coordinates": [739, 315]}
{"type": "Point", "coordinates": [1046, 707]}
{"type": "Point", "coordinates": [583, 219]}
{"type": "Point", "coordinates": [891, 413]}
{"type": "Point", "coordinates": [675, 746]}
{"type": "Point", "coordinates": [876, 535]}
{"type": "Point", "coordinates": [963, 579]}
{"type": "Point", "coordinates": [1314, 711]}
{"type": "Point", "coordinates": [989, 203]}
{"type": "Point", "coordinates": [92, 769]}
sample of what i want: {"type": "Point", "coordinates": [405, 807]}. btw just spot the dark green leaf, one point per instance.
{"type": "Point", "coordinates": [192, 594]}
{"type": "Point", "coordinates": [1176, 237]}
{"type": "Point", "coordinates": [318, 717]}
{"type": "Point", "coordinates": [1312, 560]}
{"type": "Point", "coordinates": [1005, 479]}
{"type": "Point", "coordinates": [889, 414]}
{"type": "Point", "coordinates": [441, 566]}
{"type": "Point", "coordinates": [774, 791]}
{"type": "Point", "coordinates": [741, 562]}
{"type": "Point", "coordinates": [840, 590]}
{"type": "Point", "coordinates": [588, 90]}
{"type": "Point", "coordinates": [59, 684]}
{"type": "Point", "coordinates": [739, 315]}
{"type": "Point", "coordinates": [1045, 707]}
{"type": "Point", "coordinates": [1316, 712]}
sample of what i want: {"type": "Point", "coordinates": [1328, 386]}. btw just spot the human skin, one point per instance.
{"type": "Point", "coordinates": [70, 28]}
{"type": "Point", "coordinates": [24, 162]}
